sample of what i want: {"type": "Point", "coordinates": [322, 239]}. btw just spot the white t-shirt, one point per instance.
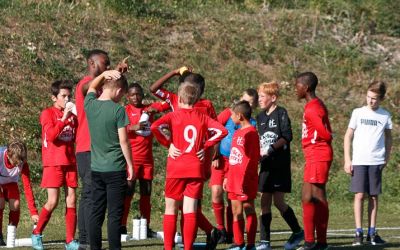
{"type": "Point", "coordinates": [369, 135]}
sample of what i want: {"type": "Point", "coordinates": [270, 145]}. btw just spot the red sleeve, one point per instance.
{"type": "Point", "coordinates": [316, 119]}
{"type": "Point", "coordinates": [218, 131]}
{"type": "Point", "coordinates": [160, 106]}
{"type": "Point", "coordinates": [211, 111]}
{"type": "Point", "coordinates": [49, 127]}
{"type": "Point", "coordinates": [156, 129]}
{"type": "Point", "coordinates": [224, 116]}
{"type": "Point", "coordinates": [30, 199]}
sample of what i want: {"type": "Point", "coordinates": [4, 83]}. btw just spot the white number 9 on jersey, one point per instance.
{"type": "Point", "coordinates": [191, 140]}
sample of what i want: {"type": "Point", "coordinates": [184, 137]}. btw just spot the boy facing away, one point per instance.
{"type": "Point", "coordinates": [316, 142]}
{"type": "Point", "coordinates": [59, 164]}
{"type": "Point", "coordinates": [241, 180]}
{"type": "Point", "coordinates": [111, 159]}
{"type": "Point", "coordinates": [275, 180]}
{"type": "Point", "coordinates": [185, 174]}
{"type": "Point", "coordinates": [369, 132]}
{"type": "Point", "coordinates": [13, 164]}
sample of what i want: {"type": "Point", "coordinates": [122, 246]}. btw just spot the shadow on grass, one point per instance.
{"type": "Point", "coordinates": [386, 246]}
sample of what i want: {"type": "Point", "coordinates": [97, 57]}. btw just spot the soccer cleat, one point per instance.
{"type": "Point", "coordinates": [321, 246]}
{"type": "Point", "coordinates": [151, 233]}
{"type": "Point", "coordinates": [307, 246]}
{"type": "Point", "coordinates": [212, 239]}
{"type": "Point", "coordinates": [264, 245]}
{"type": "Point", "coordinates": [222, 236]}
{"type": "Point", "coordinates": [73, 245]}
{"type": "Point", "coordinates": [358, 239]}
{"type": "Point", "coordinates": [237, 247]}
{"type": "Point", "coordinates": [2, 243]}
{"type": "Point", "coordinates": [37, 243]}
{"type": "Point", "coordinates": [249, 247]}
{"type": "Point", "coordinates": [294, 240]}
{"type": "Point", "coordinates": [376, 240]}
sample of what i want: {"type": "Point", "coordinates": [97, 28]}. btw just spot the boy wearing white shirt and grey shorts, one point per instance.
{"type": "Point", "coordinates": [369, 131]}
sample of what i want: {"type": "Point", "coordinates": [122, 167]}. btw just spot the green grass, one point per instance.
{"type": "Point", "coordinates": [235, 44]}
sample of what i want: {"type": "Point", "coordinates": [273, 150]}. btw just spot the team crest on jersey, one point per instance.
{"type": "Point", "coordinates": [272, 123]}
{"type": "Point", "coordinates": [236, 157]}
{"type": "Point", "coordinates": [240, 141]}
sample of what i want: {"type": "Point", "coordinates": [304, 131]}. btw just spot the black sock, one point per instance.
{"type": "Point", "coordinates": [291, 220]}
{"type": "Point", "coordinates": [265, 226]}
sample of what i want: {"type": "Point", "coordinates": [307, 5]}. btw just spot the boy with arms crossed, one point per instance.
{"type": "Point", "coordinates": [185, 174]}
{"type": "Point", "coordinates": [59, 164]}
{"type": "Point", "coordinates": [370, 132]}
{"type": "Point", "coordinates": [12, 165]}
{"type": "Point", "coordinates": [141, 140]}
{"type": "Point", "coordinates": [275, 132]}
{"type": "Point", "coordinates": [220, 167]}
{"type": "Point", "coordinates": [111, 159]}
{"type": "Point", "coordinates": [241, 180]}
{"type": "Point", "coordinates": [316, 142]}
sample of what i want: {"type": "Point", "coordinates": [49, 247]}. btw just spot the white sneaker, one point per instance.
{"type": "Point", "coordinates": [264, 245]}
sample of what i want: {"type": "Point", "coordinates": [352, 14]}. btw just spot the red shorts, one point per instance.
{"type": "Point", "coordinates": [9, 191]}
{"type": "Point", "coordinates": [177, 188]}
{"type": "Point", "coordinates": [239, 197]}
{"type": "Point", "coordinates": [59, 176]}
{"type": "Point", "coordinates": [143, 170]}
{"type": "Point", "coordinates": [218, 175]}
{"type": "Point", "coordinates": [317, 172]}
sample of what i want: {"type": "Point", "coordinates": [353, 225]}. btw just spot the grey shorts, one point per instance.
{"type": "Point", "coordinates": [367, 179]}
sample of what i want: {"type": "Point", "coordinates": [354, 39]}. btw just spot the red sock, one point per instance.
{"type": "Point", "coordinates": [13, 217]}
{"type": "Point", "coordinates": [238, 232]}
{"type": "Point", "coordinates": [127, 207]}
{"type": "Point", "coordinates": [44, 218]}
{"type": "Point", "coordinates": [308, 221]}
{"type": "Point", "coordinates": [321, 220]}
{"type": "Point", "coordinates": [169, 231]}
{"type": "Point", "coordinates": [229, 218]}
{"type": "Point", "coordinates": [219, 214]}
{"type": "Point", "coordinates": [70, 224]}
{"type": "Point", "coordinates": [203, 223]}
{"type": "Point", "coordinates": [189, 230]}
{"type": "Point", "coordinates": [145, 207]}
{"type": "Point", "coordinates": [251, 228]}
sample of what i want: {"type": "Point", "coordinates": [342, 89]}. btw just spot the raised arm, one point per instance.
{"type": "Point", "coordinates": [160, 82]}
{"type": "Point", "coordinates": [98, 82]}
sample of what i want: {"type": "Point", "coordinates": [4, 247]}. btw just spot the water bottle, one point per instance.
{"type": "Point", "coordinates": [11, 233]}
{"type": "Point", "coordinates": [143, 229]}
{"type": "Point", "coordinates": [144, 118]}
{"type": "Point", "coordinates": [136, 229]}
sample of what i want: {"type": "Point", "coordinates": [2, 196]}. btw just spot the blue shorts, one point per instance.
{"type": "Point", "coordinates": [367, 179]}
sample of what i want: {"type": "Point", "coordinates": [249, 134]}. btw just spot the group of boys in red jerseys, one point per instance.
{"type": "Point", "coordinates": [189, 133]}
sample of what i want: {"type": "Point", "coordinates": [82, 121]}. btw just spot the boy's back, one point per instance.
{"type": "Point", "coordinates": [105, 117]}
{"type": "Point", "coordinates": [189, 130]}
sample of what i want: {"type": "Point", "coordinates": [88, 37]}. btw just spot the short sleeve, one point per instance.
{"type": "Point", "coordinates": [389, 124]}
{"type": "Point", "coordinates": [353, 120]}
{"type": "Point", "coordinates": [88, 100]}
{"type": "Point", "coordinates": [122, 118]}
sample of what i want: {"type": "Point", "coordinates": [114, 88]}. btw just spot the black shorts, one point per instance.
{"type": "Point", "coordinates": [367, 179]}
{"type": "Point", "coordinates": [274, 180]}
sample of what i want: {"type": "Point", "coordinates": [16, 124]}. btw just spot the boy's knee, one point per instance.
{"type": "Point", "coordinates": [359, 196]}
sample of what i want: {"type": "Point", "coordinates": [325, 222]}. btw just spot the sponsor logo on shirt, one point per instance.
{"type": "Point", "coordinates": [267, 139]}
{"type": "Point", "coordinates": [236, 157]}
{"type": "Point", "coordinates": [369, 122]}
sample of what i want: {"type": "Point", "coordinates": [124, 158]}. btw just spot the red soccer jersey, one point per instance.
{"type": "Point", "coordinates": [189, 129]}
{"type": "Point", "coordinates": [203, 105]}
{"type": "Point", "coordinates": [224, 116]}
{"type": "Point", "coordinates": [57, 138]}
{"type": "Point", "coordinates": [243, 162]}
{"type": "Point", "coordinates": [142, 146]}
{"type": "Point", "coordinates": [82, 131]}
{"type": "Point", "coordinates": [316, 132]}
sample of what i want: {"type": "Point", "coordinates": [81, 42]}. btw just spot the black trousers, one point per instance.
{"type": "Point", "coordinates": [85, 203]}
{"type": "Point", "coordinates": [108, 192]}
